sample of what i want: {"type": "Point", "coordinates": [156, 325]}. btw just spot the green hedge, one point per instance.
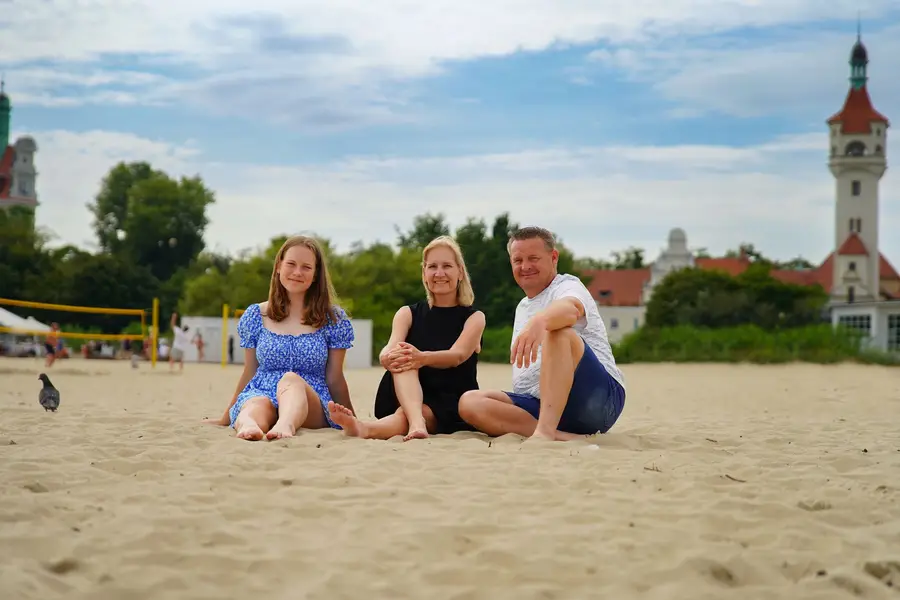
{"type": "Point", "coordinates": [747, 343]}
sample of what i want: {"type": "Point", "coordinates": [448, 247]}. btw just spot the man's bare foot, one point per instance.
{"type": "Point", "coordinates": [250, 431]}
{"type": "Point", "coordinates": [540, 435]}
{"type": "Point", "coordinates": [342, 415]}
{"type": "Point", "coordinates": [281, 430]}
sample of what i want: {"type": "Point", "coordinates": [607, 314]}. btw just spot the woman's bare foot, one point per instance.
{"type": "Point", "coordinates": [281, 430]}
{"type": "Point", "coordinates": [416, 432]}
{"type": "Point", "coordinates": [250, 431]}
{"type": "Point", "coordinates": [344, 417]}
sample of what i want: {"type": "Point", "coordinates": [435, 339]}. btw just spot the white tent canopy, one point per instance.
{"type": "Point", "coordinates": [13, 321]}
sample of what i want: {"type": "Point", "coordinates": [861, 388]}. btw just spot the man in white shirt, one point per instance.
{"type": "Point", "coordinates": [180, 342]}
{"type": "Point", "coordinates": [565, 380]}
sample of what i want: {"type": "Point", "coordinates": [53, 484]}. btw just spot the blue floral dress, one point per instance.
{"type": "Point", "coordinates": [305, 354]}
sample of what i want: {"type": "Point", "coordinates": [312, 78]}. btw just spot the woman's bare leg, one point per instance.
{"type": "Point", "coordinates": [255, 419]}
{"type": "Point", "coordinates": [382, 429]}
{"type": "Point", "coordinates": [409, 396]}
{"type": "Point", "coordinates": [298, 406]}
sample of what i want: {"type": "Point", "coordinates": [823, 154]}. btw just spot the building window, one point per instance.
{"type": "Point", "coordinates": [859, 226]}
{"type": "Point", "coordinates": [613, 323]}
{"type": "Point", "coordinates": [852, 266]}
{"type": "Point", "coordinates": [851, 294]}
{"type": "Point", "coordinates": [893, 337]}
{"type": "Point", "coordinates": [859, 323]}
{"type": "Point", "coordinates": [855, 225]}
{"type": "Point", "coordinates": [855, 188]}
{"type": "Point", "coordinates": [855, 148]}
{"type": "Point", "coordinates": [636, 323]}
{"type": "Point", "coordinates": [879, 150]}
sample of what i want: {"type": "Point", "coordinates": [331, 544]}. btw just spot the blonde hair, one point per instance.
{"type": "Point", "coordinates": [320, 300]}
{"type": "Point", "coordinates": [465, 295]}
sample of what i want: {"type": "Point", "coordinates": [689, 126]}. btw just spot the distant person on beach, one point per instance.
{"type": "Point", "coordinates": [565, 380]}
{"type": "Point", "coordinates": [230, 349]}
{"type": "Point", "coordinates": [295, 344]}
{"type": "Point", "coordinates": [180, 342]}
{"type": "Point", "coordinates": [50, 344]}
{"type": "Point", "coordinates": [198, 341]}
{"type": "Point", "coordinates": [431, 358]}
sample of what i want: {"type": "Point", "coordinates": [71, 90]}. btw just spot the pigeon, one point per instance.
{"type": "Point", "coordinates": [49, 396]}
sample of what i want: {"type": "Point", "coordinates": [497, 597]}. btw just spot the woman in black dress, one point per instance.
{"type": "Point", "coordinates": [431, 358]}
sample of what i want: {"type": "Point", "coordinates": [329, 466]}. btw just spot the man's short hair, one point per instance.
{"type": "Point", "coordinates": [530, 233]}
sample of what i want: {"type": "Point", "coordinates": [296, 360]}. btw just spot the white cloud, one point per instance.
{"type": "Point", "coordinates": [777, 195]}
{"type": "Point", "coordinates": [796, 74]}
{"type": "Point", "coordinates": [337, 63]}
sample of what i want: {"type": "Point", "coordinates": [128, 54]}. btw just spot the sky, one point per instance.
{"type": "Point", "coordinates": [608, 122]}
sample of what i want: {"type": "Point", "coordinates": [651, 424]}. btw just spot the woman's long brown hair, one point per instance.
{"type": "Point", "coordinates": [319, 303]}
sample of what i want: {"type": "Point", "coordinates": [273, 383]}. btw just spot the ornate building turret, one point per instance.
{"type": "Point", "coordinates": [858, 160]}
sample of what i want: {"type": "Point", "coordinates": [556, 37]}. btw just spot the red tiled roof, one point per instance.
{"type": "Point", "coordinates": [618, 287]}
{"type": "Point", "coordinates": [887, 270]}
{"type": "Point", "coordinates": [6, 161]}
{"type": "Point", "coordinates": [732, 266]}
{"type": "Point", "coordinates": [853, 246]}
{"type": "Point", "coordinates": [858, 114]}
{"type": "Point", "coordinates": [625, 287]}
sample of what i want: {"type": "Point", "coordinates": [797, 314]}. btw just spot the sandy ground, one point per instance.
{"type": "Point", "coordinates": [717, 482]}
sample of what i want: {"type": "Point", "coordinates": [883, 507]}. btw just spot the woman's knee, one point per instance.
{"type": "Point", "coordinates": [291, 380]}
{"type": "Point", "coordinates": [257, 405]}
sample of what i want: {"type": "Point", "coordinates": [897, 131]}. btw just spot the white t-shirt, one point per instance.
{"type": "Point", "coordinates": [526, 380]}
{"type": "Point", "coordinates": [180, 341]}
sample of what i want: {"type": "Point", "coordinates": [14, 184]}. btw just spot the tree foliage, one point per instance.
{"type": "Point", "coordinates": [710, 298]}
{"type": "Point", "coordinates": [150, 230]}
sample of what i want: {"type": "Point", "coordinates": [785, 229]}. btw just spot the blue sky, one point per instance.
{"type": "Point", "coordinates": [609, 123]}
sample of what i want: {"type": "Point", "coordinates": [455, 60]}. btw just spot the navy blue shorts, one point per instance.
{"type": "Point", "coordinates": [595, 401]}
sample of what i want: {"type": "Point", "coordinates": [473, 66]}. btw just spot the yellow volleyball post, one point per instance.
{"type": "Point", "coordinates": [154, 331]}
{"type": "Point", "coordinates": [224, 334]}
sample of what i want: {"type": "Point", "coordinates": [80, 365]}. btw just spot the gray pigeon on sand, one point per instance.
{"type": "Point", "coordinates": [49, 396]}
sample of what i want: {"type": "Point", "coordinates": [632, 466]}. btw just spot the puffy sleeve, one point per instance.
{"type": "Point", "coordinates": [249, 326]}
{"type": "Point", "coordinates": [339, 330]}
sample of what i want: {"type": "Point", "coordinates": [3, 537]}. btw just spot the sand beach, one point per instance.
{"type": "Point", "coordinates": [719, 481]}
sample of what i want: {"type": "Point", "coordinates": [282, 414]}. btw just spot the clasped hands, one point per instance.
{"type": "Point", "coordinates": [402, 357]}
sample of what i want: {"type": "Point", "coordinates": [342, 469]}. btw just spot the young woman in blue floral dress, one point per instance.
{"type": "Point", "coordinates": [295, 345]}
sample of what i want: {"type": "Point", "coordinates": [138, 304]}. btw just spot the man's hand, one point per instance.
{"type": "Point", "coordinates": [525, 348]}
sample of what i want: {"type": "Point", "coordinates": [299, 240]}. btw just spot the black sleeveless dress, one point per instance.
{"type": "Point", "coordinates": [433, 329]}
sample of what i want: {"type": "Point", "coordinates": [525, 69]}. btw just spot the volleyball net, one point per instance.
{"type": "Point", "coordinates": [32, 327]}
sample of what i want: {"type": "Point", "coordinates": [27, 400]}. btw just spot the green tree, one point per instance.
{"type": "Point", "coordinates": [165, 223]}
{"type": "Point", "coordinates": [630, 258]}
{"type": "Point", "coordinates": [26, 271]}
{"type": "Point", "coordinates": [715, 299]}
{"type": "Point", "coordinates": [425, 228]}
{"type": "Point", "coordinates": [110, 206]}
